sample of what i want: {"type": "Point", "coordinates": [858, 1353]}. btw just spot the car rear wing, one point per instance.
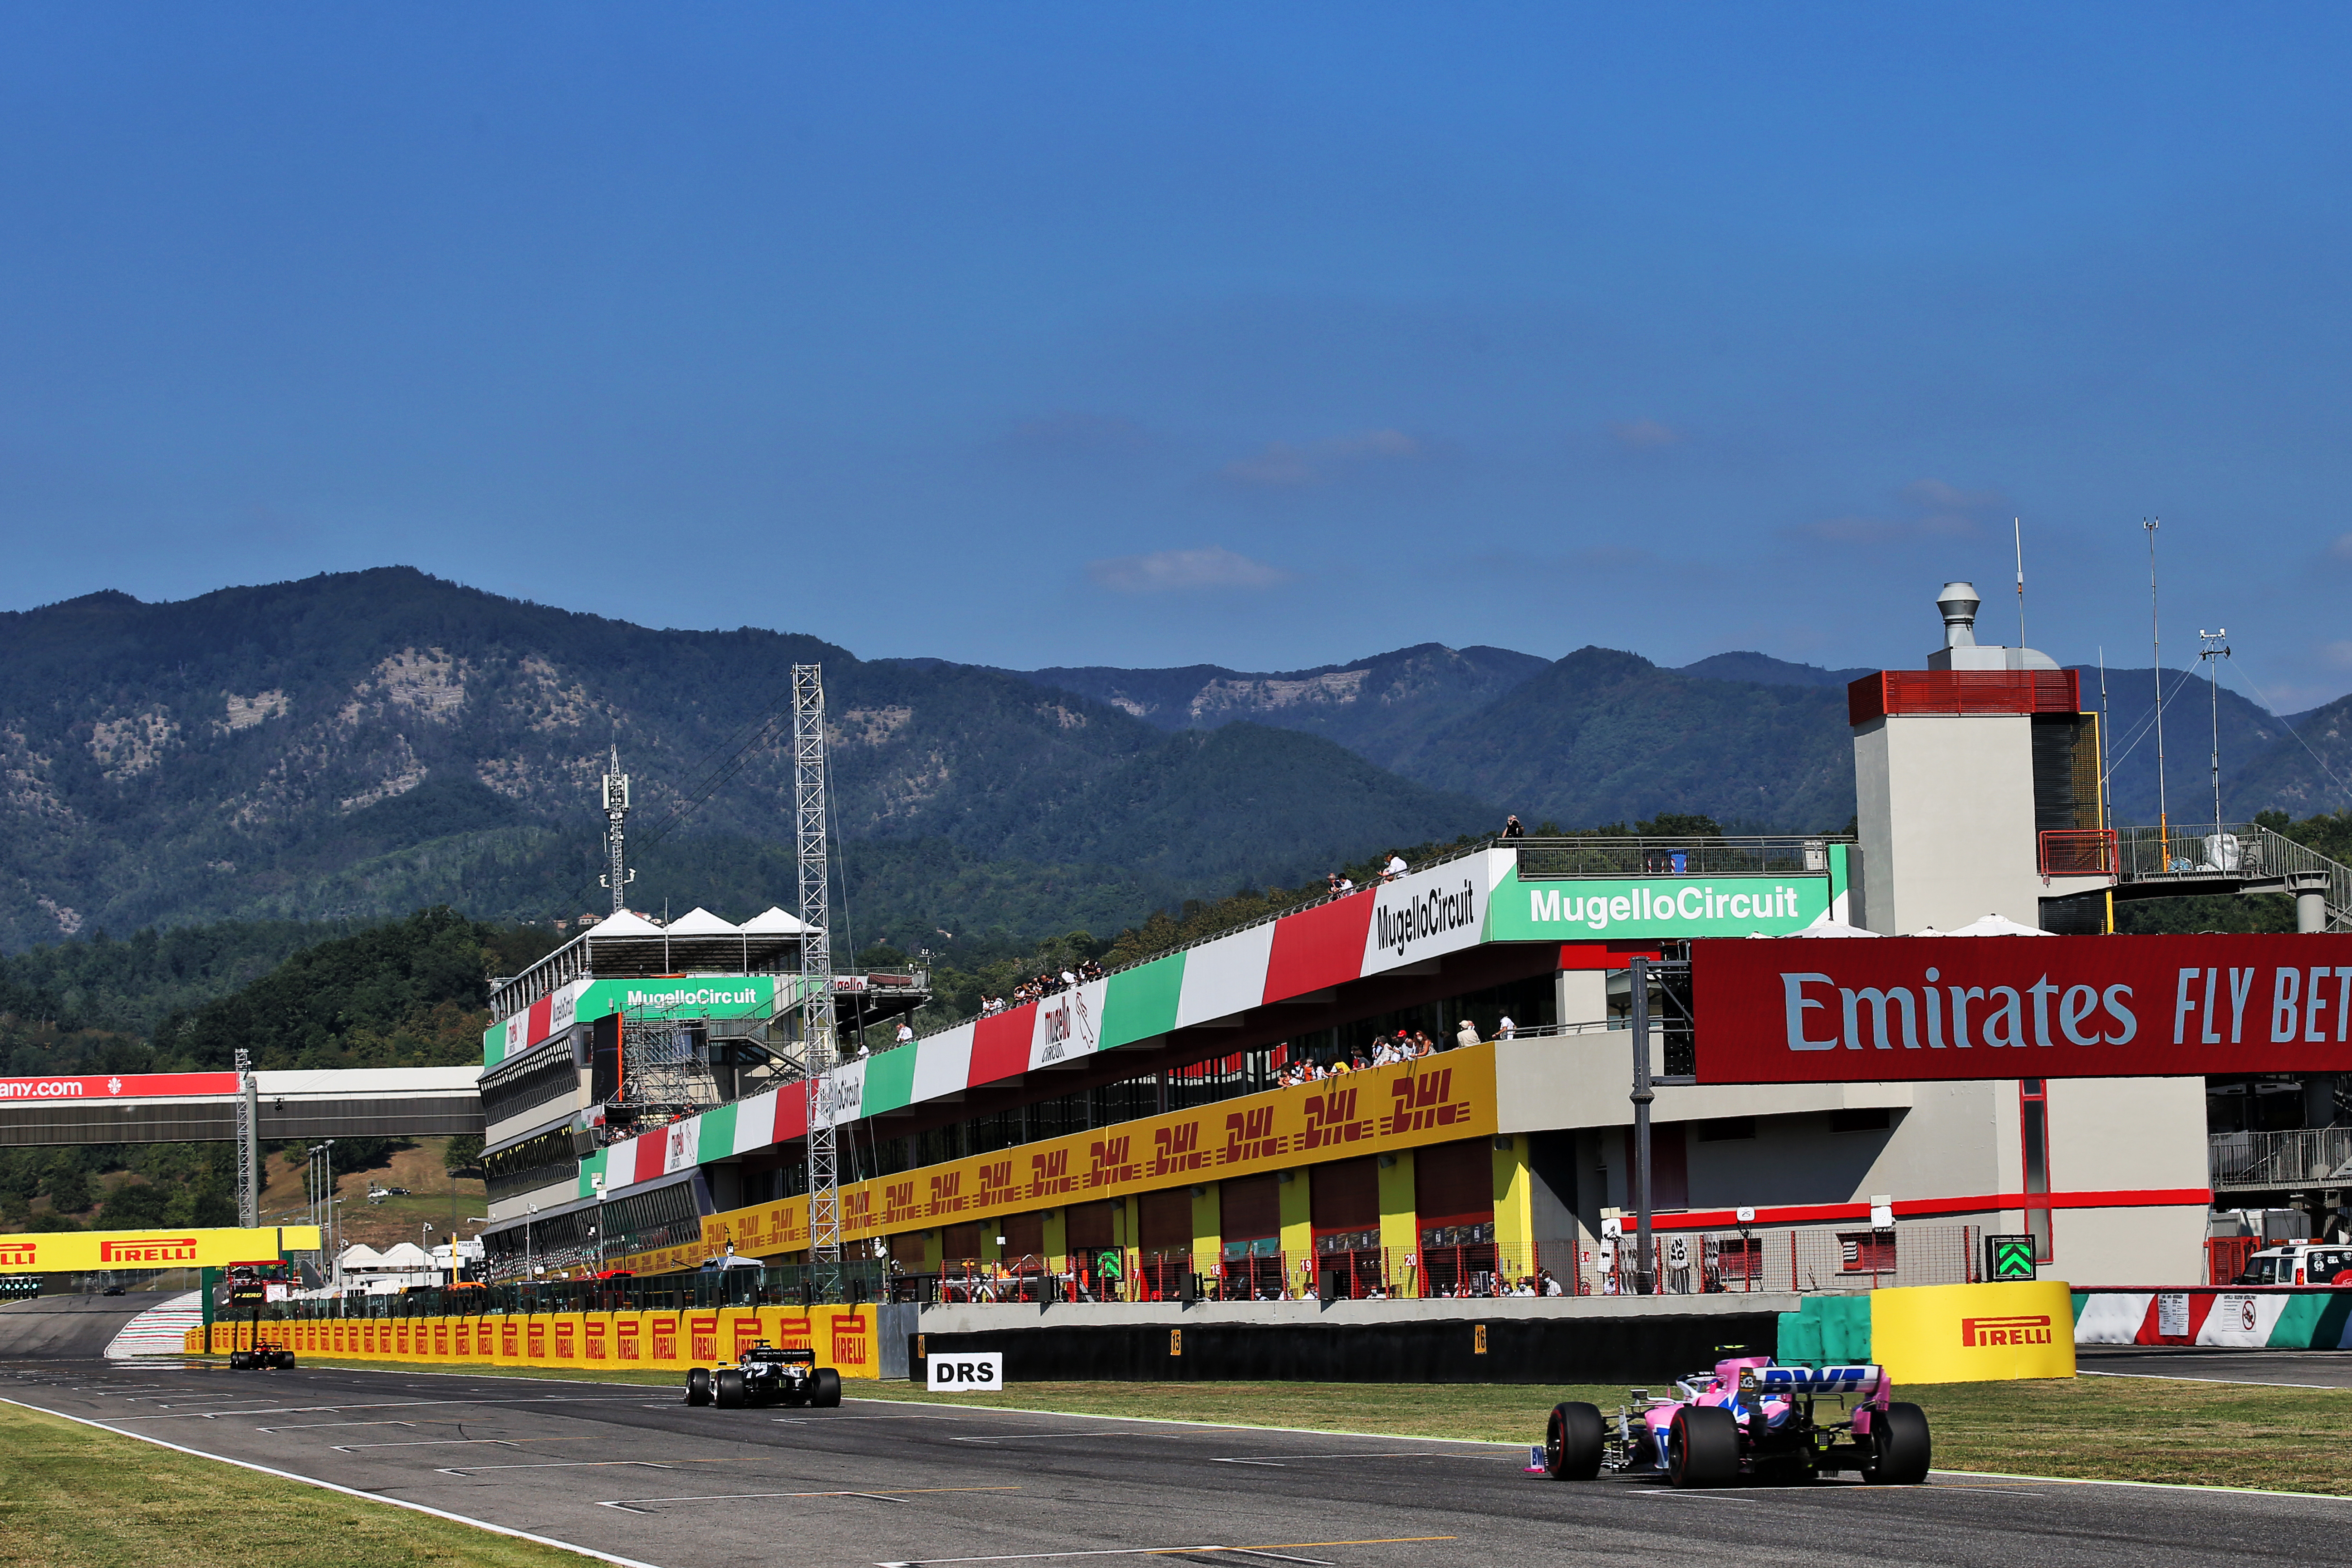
{"type": "Point", "coordinates": [1865, 1381]}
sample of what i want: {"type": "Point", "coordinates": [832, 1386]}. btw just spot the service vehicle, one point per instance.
{"type": "Point", "coordinates": [2299, 1263]}
{"type": "Point", "coordinates": [265, 1356]}
{"type": "Point", "coordinates": [766, 1376]}
{"type": "Point", "coordinates": [1748, 1420]}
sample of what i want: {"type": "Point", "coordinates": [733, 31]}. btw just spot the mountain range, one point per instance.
{"type": "Point", "coordinates": [357, 745]}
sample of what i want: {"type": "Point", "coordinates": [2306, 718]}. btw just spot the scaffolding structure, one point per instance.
{"type": "Point", "coordinates": [816, 974]}
{"type": "Point", "coordinates": [665, 1067]}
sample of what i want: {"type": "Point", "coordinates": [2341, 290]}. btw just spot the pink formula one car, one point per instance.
{"type": "Point", "coordinates": [1749, 1419]}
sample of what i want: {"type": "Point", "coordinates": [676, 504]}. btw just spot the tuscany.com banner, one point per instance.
{"type": "Point", "coordinates": [1992, 1007]}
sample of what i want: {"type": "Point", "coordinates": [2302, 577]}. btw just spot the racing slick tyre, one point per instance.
{"type": "Point", "coordinates": [698, 1386]}
{"type": "Point", "coordinates": [240, 1361]}
{"type": "Point", "coordinates": [728, 1388]}
{"type": "Point", "coordinates": [824, 1389]}
{"type": "Point", "coordinates": [1702, 1446]}
{"type": "Point", "coordinates": [1899, 1440]}
{"type": "Point", "coordinates": [283, 1361]}
{"type": "Point", "coordinates": [1572, 1442]}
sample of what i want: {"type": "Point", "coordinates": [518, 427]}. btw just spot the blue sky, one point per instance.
{"type": "Point", "coordinates": [1266, 336]}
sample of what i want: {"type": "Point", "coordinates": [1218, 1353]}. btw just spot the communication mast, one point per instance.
{"type": "Point", "coordinates": [817, 975]}
{"type": "Point", "coordinates": [617, 813]}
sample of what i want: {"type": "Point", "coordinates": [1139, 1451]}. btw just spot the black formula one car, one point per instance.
{"type": "Point", "coordinates": [264, 1356]}
{"type": "Point", "coordinates": [1748, 1420]}
{"type": "Point", "coordinates": [766, 1376]}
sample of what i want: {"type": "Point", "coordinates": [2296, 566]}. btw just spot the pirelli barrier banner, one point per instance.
{"type": "Point", "coordinates": [1437, 1099]}
{"type": "Point", "coordinates": [44, 1251]}
{"type": "Point", "coordinates": [842, 1337]}
{"type": "Point", "coordinates": [1974, 1333]}
{"type": "Point", "coordinates": [2020, 1007]}
{"type": "Point", "coordinates": [2272, 1320]}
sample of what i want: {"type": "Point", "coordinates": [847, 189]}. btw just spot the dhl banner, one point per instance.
{"type": "Point", "coordinates": [844, 1338]}
{"type": "Point", "coordinates": [1437, 1099]}
{"type": "Point", "coordinates": [43, 1252]}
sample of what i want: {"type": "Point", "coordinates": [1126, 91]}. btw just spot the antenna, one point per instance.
{"type": "Point", "coordinates": [2107, 735]}
{"type": "Point", "coordinates": [2156, 650]}
{"type": "Point", "coordinates": [2215, 648]}
{"type": "Point", "coordinates": [617, 813]}
{"type": "Point", "coordinates": [2017, 528]}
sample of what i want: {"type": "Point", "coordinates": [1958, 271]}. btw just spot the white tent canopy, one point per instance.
{"type": "Point", "coordinates": [360, 1255]}
{"type": "Point", "coordinates": [1992, 925]}
{"type": "Point", "coordinates": [700, 922]}
{"type": "Point", "coordinates": [771, 921]}
{"type": "Point", "coordinates": [1826, 927]}
{"type": "Point", "coordinates": [407, 1254]}
{"type": "Point", "coordinates": [622, 923]}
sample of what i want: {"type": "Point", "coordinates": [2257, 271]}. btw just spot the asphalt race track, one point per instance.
{"type": "Point", "coordinates": [2203, 1363]}
{"type": "Point", "coordinates": [633, 1473]}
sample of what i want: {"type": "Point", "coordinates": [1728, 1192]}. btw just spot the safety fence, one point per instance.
{"type": "Point", "coordinates": [744, 1284]}
{"type": "Point", "coordinates": [1799, 1261]}
{"type": "Point", "coordinates": [845, 1338]}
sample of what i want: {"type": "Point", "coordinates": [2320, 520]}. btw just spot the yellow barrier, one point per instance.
{"type": "Point", "coordinates": [843, 1337]}
{"type": "Point", "coordinates": [1974, 1333]}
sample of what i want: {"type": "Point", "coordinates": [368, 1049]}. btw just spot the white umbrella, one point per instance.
{"type": "Point", "coordinates": [1995, 925]}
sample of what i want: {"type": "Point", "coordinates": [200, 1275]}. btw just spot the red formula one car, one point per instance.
{"type": "Point", "coordinates": [1749, 1419]}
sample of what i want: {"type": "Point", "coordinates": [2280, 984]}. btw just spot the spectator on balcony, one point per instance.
{"type": "Point", "coordinates": [1511, 829]}
{"type": "Point", "coordinates": [906, 1035]}
{"type": "Point", "coordinates": [1467, 1034]}
{"type": "Point", "coordinates": [1394, 869]}
{"type": "Point", "coordinates": [1506, 1029]}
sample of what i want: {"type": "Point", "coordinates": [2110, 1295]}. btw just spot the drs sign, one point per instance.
{"type": "Point", "coordinates": [976, 1372]}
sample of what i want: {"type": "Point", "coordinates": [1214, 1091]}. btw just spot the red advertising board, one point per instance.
{"type": "Point", "coordinates": [125, 1086]}
{"type": "Point", "coordinates": [1837, 1011]}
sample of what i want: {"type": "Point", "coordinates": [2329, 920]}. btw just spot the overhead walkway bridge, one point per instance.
{"type": "Point", "coordinates": [193, 1108]}
{"type": "Point", "coordinates": [2238, 858]}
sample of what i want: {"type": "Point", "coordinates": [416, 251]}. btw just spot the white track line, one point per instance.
{"type": "Point", "coordinates": [970, 1412]}
{"type": "Point", "coordinates": [345, 1491]}
{"type": "Point", "coordinates": [2237, 1381]}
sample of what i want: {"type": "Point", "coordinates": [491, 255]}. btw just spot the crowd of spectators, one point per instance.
{"type": "Point", "coordinates": [1404, 1046]}
{"type": "Point", "coordinates": [1039, 988]}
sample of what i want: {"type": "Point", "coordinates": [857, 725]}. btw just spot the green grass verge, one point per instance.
{"type": "Point", "coordinates": [2092, 1428]}
{"type": "Point", "coordinates": [75, 1497]}
{"type": "Point", "coordinates": [2112, 1429]}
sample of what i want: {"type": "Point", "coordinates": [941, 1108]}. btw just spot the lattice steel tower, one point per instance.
{"type": "Point", "coordinates": [617, 813]}
{"type": "Point", "coordinates": [816, 976]}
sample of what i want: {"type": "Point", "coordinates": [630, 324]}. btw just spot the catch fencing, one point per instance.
{"type": "Point", "coordinates": [1801, 1261]}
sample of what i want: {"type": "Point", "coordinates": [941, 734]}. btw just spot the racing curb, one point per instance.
{"type": "Point", "coordinates": [346, 1491]}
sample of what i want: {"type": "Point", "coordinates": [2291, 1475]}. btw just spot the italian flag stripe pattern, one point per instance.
{"type": "Point", "coordinates": [2245, 1319]}
{"type": "Point", "coordinates": [1441, 909]}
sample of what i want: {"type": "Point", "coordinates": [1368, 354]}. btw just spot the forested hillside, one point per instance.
{"type": "Point", "coordinates": [410, 992]}
{"type": "Point", "coordinates": [355, 746]}
{"type": "Point", "coordinates": [350, 748]}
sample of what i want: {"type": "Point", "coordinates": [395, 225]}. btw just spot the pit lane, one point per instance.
{"type": "Point", "coordinates": [633, 1473]}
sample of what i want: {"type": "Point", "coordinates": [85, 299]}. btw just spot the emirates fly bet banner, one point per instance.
{"type": "Point", "coordinates": [1998, 1006]}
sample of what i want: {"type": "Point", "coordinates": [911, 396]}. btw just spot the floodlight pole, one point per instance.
{"type": "Point", "coordinates": [1641, 1095]}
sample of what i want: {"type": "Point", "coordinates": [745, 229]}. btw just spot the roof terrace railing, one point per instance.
{"type": "Point", "coordinates": [1765, 855]}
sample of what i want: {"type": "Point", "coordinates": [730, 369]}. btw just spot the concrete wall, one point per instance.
{"type": "Point", "coordinates": [1944, 809]}
{"type": "Point", "coordinates": [1583, 1080]}
{"type": "Point", "coordinates": [2121, 1135]}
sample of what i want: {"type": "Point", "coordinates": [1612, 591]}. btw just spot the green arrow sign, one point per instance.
{"type": "Point", "coordinates": [2009, 1257]}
